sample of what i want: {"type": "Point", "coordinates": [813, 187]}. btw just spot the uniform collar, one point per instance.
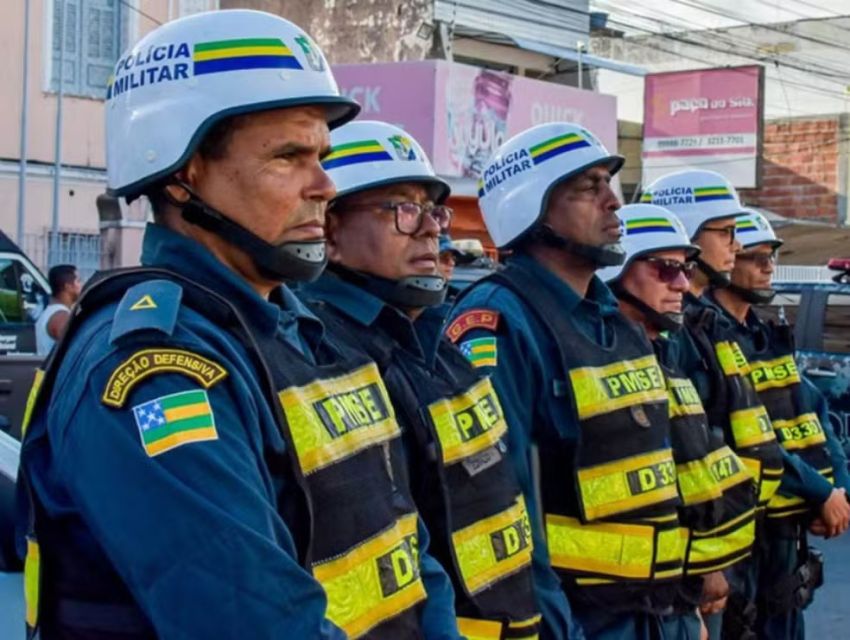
{"type": "Point", "coordinates": [168, 249]}
{"type": "Point", "coordinates": [420, 337]}
{"type": "Point", "coordinates": [599, 296]}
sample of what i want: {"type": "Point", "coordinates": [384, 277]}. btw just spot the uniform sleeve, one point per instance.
{"type": "Point", "coordinates": [518, 386]}
{"type": "Point", "coordinates": [438, 615]}
{"type": "Point", "coordinates": [188, 519]}
{"type": "Point", "coordinates": [833, 444]}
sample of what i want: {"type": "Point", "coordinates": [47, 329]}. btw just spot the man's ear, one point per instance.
{"type": "Point", "coordinates": [189, 174]}
{"type": "Point", "coordinates": [332, 228]}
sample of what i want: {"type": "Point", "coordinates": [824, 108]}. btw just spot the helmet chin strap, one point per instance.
{"type": "Point", "coordinates": [716, 279]}
{"type": "Point", "coordinates": [412, 292]}
{"type": "Point", "coordinates": [671, 322]}
{"type": "Point", "coordinates": [753, 296]}
{"type": "Point", "coordinates": [606, 255]}
{"type": "Point", "coordinates": [288, 261]}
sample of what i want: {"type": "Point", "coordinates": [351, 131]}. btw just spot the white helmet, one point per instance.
{"type": "Point", "coordinates": [648, 228]}
{"type": "Point", "coordinates": [695, 196]}
{"type": "Point", "coordinates": [183, 77]}
{"type": "Point", "coordinates": [367, 154]}
{"type": "Point", "coordinates": [515, 185]}
{"type": "Point", "coordinates": [753, 229]}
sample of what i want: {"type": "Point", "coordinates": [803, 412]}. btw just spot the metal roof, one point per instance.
{"type": "Point", "coordinates": [555, 22]}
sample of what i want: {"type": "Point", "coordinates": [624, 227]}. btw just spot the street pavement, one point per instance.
{"type": "Point", "coordinates": [828, 617]}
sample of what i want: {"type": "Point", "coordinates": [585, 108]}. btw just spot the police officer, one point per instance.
{"type": "Point", "coordinates": [382, 294]}
{"type": "Point", "coordinates": [580, 385]}
{"type": "Point", "coordinates": [789, 570]}
{"type": "Point", "coordinates": [709, 352]}
{"type": "Point", "coordinates": [715, 487]}
{"type": "Point", "coordinates": [202, 462]}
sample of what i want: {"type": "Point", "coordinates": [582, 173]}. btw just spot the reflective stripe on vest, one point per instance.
{"type": "Point", "coordinates": [374, 581]}
{"type": "Point", "coordinates": [732, 359]}
{"type": "Point", "coordinates": [600, 390]}
{"type": "Point", "coordinates": [774, 374]}
{"type": "Point", "coordinates": [707, 479]}
{"type": "Point", "coordinates": [624, 551]}
{"type": "Point", "coordinates": [328, 425]}
{"type": "Point", "coordinates": [469, 423]}
{"type": "Point", "coordinates": [32, 582]}
{"type": "Point", "coordinates": [770, 479]}
{"type": "Point", "coordinates": [473, 629]}
{"type": "Point", "coordinates": [684, 398]}
{"type": "Point", "coordinates": [801, 432]}
{"type": "Point", "coordinates": [31, 398]}
{"type": "Point", "coordinates": [627, 484]}
{"type": "Point", "coordinates": [752, 431]}
{"type": "Point", "coordinates": [721, 547]}
{"type": "Point", "coordinates": [751, 427]}
{"type": "Point", "coordinates": [781, 505]}
{"type": "Point", "coordinates": [493, 548]}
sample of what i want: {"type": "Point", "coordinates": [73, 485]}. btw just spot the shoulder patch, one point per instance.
{"type": "Point", "coordinates": [472, 319]}
{"type": "Point", "coordinates": [150, 362]}
{"type": "Point", "coordinates": [174, 420]}
{"type": "Point", "coordinates": [151, 305]}
{"type": "Point", "coordinates": [481, 352]}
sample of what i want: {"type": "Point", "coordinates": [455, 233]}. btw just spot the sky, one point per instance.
{"type": "Point", "coordinates": [635, 16]}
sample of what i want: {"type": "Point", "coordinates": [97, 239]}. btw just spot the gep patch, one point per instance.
{"type": "Point", "coordinates": [472, 319]}
{"type": "Point", "coordinates": [149, 362]}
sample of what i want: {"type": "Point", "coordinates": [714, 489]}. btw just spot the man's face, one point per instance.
{"type": "Point", "coordinates": [362, 234]}
{"type": "Point", "coordinates": [270, 180]}
{"type": "Point", "coordinates": [718, 244]}
{"type": "Point", "coordinates": [447, 264]}
{"type": "Point", "coordinates": [75, 287]}
{"type": "Point", "coordinates": [754, 267]}
{"type": "Point", "coordinates": [645, 279]}
{"type": "Point", "coordinates": [584, 209]}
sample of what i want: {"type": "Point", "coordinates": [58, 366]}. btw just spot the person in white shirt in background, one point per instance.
{"type": "Point", "coordinates": [65, 284]}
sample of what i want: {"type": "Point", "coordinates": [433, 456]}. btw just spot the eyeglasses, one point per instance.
{"type": "Point", "coordinates": [730, 231]}
{"type": "Point", "coordinates": [761, 260]}
{"type": "Point", "coordinates": [409, 216]}
{"type": "Point", "coordinates": [668, 270]}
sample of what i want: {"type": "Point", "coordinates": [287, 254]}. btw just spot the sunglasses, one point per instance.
{"type": "Point", "coordinates": [410, 216]}
{"type": "Point", "coordinates": [668, 271]}
{"type": "Point", "coordinates": [730, 231]}
{"type": "Point", "coordinates": [761, 260]}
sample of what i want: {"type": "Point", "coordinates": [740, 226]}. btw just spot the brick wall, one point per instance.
{"type": "Point", "coordinates": [800, 168]}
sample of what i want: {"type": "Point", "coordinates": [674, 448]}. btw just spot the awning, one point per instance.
{"type": "Point", "coordinates": [586, 58]}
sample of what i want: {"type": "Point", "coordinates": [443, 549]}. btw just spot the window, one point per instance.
{"type": "Point", "coordinates": [784, 307]}
{"type": "Point", "coordinates": [22, 298]}
{"type": "Point", "coordinates": [95, 34]}
{"type": "Point", "coordinates": [836, 324]}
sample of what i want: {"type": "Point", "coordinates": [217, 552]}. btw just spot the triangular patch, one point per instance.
{"type": "Point", "coordinates": [145, 302]}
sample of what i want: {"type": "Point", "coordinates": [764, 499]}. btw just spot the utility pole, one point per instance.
{"type": "Point", "coordinates": [25, 105]}
{"type": "Point", "coordinates": [53, 256]}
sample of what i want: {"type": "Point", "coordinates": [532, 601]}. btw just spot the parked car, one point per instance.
{"type": "Point", "coordinates": [24, 294]}
{"type": "Point", "coordinates": [820, 313]}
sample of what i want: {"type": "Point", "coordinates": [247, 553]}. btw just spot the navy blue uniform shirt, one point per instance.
{"type": "Point", "coordinates": [529, 377]}
{"type": "Point", "coordinates": [193, 531]}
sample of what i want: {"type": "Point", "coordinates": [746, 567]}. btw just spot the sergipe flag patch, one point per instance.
{"type": "Point", "coordinates": [170, 421]}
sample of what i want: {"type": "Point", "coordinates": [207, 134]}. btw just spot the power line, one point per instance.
{"type": "Point", "coordinates": [702, 61]}
{"type": "Point", "coordinates": [827, 72]}
{"type": "Point", "coordinates": [702, 6]}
